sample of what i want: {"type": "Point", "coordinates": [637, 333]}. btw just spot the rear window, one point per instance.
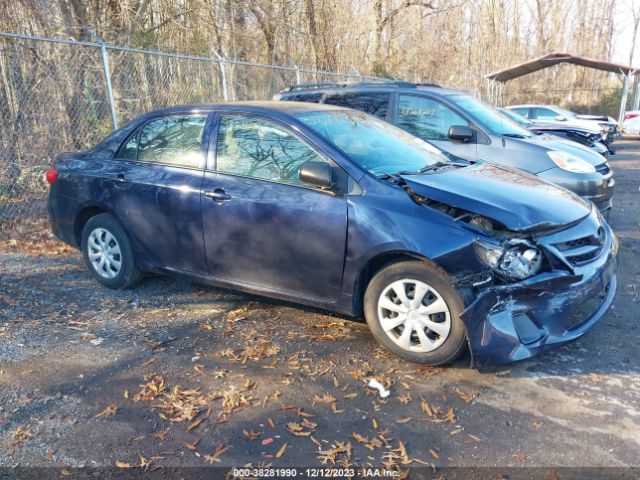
{"type": "Point", "coordinates": [375, 104]}
{"type": "Point", "coordinates": [172, 140]}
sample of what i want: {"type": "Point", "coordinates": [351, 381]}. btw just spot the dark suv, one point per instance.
{"type": "Point", "coordinates": [461, 124]}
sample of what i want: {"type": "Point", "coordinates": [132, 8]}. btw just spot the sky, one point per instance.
{"type": "Point", "coordinates": [624, 32]}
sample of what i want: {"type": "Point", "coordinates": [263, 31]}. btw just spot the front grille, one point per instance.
{"type": "Point", "coordinates": [603, 168]}
{"type": "Point", "coordinates": [578, 242]}
{"type": "Point", "coordinates": [603, 206]}
{"type": "Point", "coordinates": [579, 251]}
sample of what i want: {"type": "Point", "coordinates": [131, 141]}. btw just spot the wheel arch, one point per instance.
{"type": "Point", "coordinates": [85, 214]}
{"type": "Point", "coordinates": [377, 263]}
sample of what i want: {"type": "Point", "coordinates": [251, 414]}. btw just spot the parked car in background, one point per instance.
{"type": "Point", "coordinates": [334, 208]}
{"type": "Point", "coordinates": [550, 113]}
{"type": "Point", "coordinates": [459, 123]}
{"type": "Point", "coordinates": [590, 137]}
{"type": "Point", "coordinates": [631, 123]}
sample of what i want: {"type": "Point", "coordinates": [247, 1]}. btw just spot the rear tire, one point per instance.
{"type": "Point", "coordinates": [413, 310]}
{"type": "Point", "coordinates": [107, 253]}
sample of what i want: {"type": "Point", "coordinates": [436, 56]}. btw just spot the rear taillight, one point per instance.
{"type": "Point", "coordinates": [51, 175]}
{"type": "Point", "coordinates": [629, 116]}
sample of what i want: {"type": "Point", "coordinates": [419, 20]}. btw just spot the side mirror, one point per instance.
{"type": "Point", "coordinates": [560, 118]}
{"type": "Point", "coordinates": [319, 174]}
{"type": "Point", "coordinates": [461, 133]}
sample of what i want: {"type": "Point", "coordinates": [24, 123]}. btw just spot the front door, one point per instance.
{"type": "Point", "coordinates": [263, 227]}
{"type": "Point", "coordinates": [430, 120]}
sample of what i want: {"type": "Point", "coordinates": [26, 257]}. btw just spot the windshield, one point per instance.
{"type": "Point", "coordinates": [565, 112]}
{"type": "Point", "coordinates": [516, 117]}
{"type": "Point", "coordinates": [376, 146]}
{"type": "Point", "coordinates": [488, 116]}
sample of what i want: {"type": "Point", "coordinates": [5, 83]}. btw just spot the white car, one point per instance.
{"type": "Point", "coordinates": [631, 125]}
{"type": "Point", "coordinates": [550, 113]}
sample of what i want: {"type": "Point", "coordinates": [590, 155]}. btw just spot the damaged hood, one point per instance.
{"type": "Point", "coordinates": [517, 200]}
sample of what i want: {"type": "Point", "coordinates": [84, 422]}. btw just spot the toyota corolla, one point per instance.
{"type": "Point", "coordinates": [333, 208]}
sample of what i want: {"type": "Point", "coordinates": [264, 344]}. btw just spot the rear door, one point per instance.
{"type": "Point", "coordinates": [541, 114]}
{"type": "Point", "coordinates": [430, 120]}
{"type": "Point", "coordinates": [156, 191]}
{"type": "Point", "coordinates": [263, 227]}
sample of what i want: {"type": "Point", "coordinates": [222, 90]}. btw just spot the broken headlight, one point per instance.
{"type": "Point", "coordinates": [517, 261]}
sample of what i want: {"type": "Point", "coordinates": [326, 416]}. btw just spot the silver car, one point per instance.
{"type": "Point", "coordinates": [463, 125]}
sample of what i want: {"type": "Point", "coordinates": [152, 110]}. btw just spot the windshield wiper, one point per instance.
{"type": "Point", "coordinates": [435, 166]}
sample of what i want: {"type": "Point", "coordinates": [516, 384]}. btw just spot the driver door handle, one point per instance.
{"type": "Point", "coordinates": [218, 195]}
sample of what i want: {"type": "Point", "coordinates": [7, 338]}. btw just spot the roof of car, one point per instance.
{"type": "Point", "coordinates": [251, 106]}
{"type": "Point", "coordinates": [530, 105]}
{"type": "Point", "coordinates": [373, 86]}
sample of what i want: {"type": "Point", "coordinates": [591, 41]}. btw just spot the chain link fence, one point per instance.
{"type": "Point", "coordinates": [58, 95]}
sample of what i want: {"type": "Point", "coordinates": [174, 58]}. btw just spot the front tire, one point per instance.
{"type": "Point", "coordinates": [107, 253]}
{"type": "Point", "coordinates": [413, 310]}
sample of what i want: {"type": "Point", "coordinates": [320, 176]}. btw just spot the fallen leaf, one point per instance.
{"type": "Point", "coordinates": [107, 412]}
{"type": "Point", "coordinates": [144, 462]}
{"type": "Point", "coordinates": [450, 416]}
{"type": "Point", "coordinates": [281, 451]}
{"type": "Point", "coordinates": [194, 424]}
{"type": "Point", "coordinates": [271, 423]}
{"type": "Point", "coordinates": [402, 421]}
{"type": "Point", "coordinates": [350, 395]}
{"type": "Point", "coordinates": [520, 456]}
{"type": "Point", "coordinates": [324, 399]}
{"type": "Point", "coordinates": [121, 464]}
{"type": "Point", "coordinates": [433, 453]}
{"type": "Point", "coordinates": [251, 435]}
{"type": "Point", "coordinates": [426, 408]}
{"type": "Point", "coordinates": [65, 472]}
{"type": "Point", "coordinates": [193, 445]}
{"type": "Point", "coordinates": [148, 362]}
{"type": "Point", "coordinates": [215, 456]}
{"type": "Point", "coordinates": [467, 397]}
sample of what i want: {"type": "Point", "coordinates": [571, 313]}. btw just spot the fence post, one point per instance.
{"type": "Point", "coordinates": [623, 99]}
{"type": "Point", "coordinates": [107, 79]}
{"type": "Point", "coordinates": [223, 73]}
{"type": "Point", "coordinates": [298, 74]}
{"type": "Point", "coordinates": [635, 99]}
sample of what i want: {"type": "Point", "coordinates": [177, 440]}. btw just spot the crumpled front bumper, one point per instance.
{"type": "Point", "coordinates": [507, 323]}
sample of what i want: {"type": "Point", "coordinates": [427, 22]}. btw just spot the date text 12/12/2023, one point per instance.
{"type": "Point", "coordinates": [314, 473]}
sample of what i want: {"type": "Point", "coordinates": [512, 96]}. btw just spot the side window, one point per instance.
{"type": "Point", "coordinates": [521, 111]}
{"type": "Point", "coordinates": [543, 114]}
{"type": "Point", "coordinates": [261, 149]}
{"type": "Point", "coordinates": [129, 149]}
{"type": "Point", "coordinates": [426, 118]}
{"type": "Point", "coordinates": [173, 140]}
{"type": "Point", "coordinates": [303, 97]}
{"type": "Point", "coordinates": [375, 104]}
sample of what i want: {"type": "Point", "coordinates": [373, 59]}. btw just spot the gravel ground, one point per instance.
{"type": "Point", "coordinates": [173, 374]}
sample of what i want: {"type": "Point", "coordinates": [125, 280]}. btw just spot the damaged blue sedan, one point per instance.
{"type": "Point", "coordinates": [332, 208]}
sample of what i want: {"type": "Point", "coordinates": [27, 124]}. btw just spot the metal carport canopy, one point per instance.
{"type": "Point", "coordinates": [555, 58]}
